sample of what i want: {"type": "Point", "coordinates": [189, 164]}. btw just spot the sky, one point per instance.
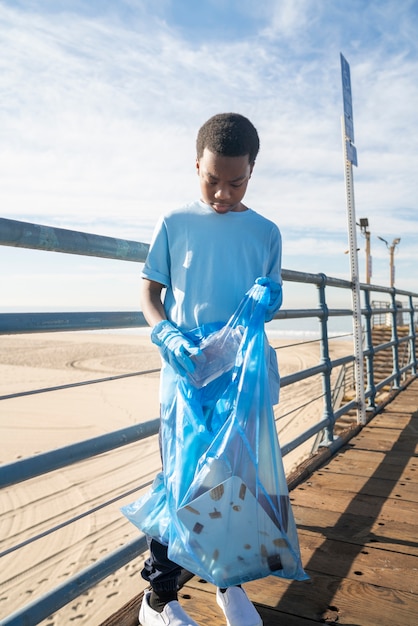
{"type": "Point", "coordinates": [101, 100]}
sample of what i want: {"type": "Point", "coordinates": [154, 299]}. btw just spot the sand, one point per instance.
{"type": "Point", "coordinates": [37, 422]}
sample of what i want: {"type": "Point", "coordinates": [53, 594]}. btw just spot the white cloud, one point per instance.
{"type": "Point", "coordinates": [289, 17]}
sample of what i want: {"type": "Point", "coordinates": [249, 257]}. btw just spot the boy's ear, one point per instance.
{"type": "Point", "coordinates": [197, 165]}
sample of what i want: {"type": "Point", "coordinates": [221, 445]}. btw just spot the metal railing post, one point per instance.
{"type": "Point", "coordinates": [413, 337]}
{"type": "Point", "coordinates": [325, 360]}
{"type": "Point", "coordinates": [395, 339]}
{"type": "Point", "coordinates": [371, 387]}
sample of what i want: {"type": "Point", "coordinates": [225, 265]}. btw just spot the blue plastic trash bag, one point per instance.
{"type": "Point", "coordinates": [221, 503]}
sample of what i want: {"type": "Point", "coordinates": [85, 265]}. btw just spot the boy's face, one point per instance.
{"type": "Point", "coordinates": [223, 180]}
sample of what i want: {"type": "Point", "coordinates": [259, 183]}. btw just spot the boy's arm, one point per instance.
{"type": "Point", "coordinates": [172, 344]}
{"type": "Point", "coordinates": [151, 304]}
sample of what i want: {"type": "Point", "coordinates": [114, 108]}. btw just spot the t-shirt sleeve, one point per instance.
{"type": "Point", "coordinates": [157, 264]}
{"type": "Point", "coordinates": [275, 262]}
{"type": "Point", "coordinates": [274, 273]}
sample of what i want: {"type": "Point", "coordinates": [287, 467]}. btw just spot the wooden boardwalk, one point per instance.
{"type": "Point", "coordinates": [357, 517]}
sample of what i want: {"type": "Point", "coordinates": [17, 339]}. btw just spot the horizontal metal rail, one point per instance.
{"type": "Point", "coordinates": [18, 471]}
{"type": "Point", "coordinates": [36, 611]}
{"type": "Point", "coordinates": [51, 239]}
{"type": "Point", "coordinates": [81, 383]}
{"type": "Point", "coordinates": [20, 323]}
{"type": "Point", "coordinates": [27, 235]}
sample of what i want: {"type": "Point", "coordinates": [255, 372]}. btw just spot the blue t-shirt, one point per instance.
{"type": "Point", "coordinates": [208, 261]}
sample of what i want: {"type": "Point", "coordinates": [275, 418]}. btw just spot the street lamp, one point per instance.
{"type": "Point", "coordinates": [364, 227]}
{"type": "Point", "coordinates": [391, 249]}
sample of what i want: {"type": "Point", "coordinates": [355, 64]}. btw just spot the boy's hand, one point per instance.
{"type": "Point", "coordinates": [276, 296]}
{"type": "Point", "coordinates": [174, 347]}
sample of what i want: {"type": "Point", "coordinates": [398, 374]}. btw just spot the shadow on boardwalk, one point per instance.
{"type": "Point", "coordinates": [357, 523]}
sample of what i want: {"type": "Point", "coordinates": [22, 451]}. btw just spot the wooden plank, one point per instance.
{"type": "Point", "coordinates": [405, 402]}
{"type": "Point", "coordinates": [378, 464]}
{"type": "Point", "coordinates": [385, 427]}
{"type": "Point", "coordinates": [331, 599]}
{"type": "Point", "coordinates": [273, 617]}
{"type": "Point", "coordinates": [395, 416]}
{"type": "Point", "coordinates": [200, 603]}
{"type": "Point", "coordinates": [388, 419]}
{"type": "Point", "coordinates": [405, 490]}
{"type": "Point", "coordinates": [198, 599]}
{"type": "Point", "coordinates": [384, 440]}
{"type": "Point", "coordinates": [361, 504]}
{"type": "Point", "coordinates": [370, 565]}
{"type": "Point", "coordinates": [357, 529]}
{"type": "Point", "coordinates": [277, 599]}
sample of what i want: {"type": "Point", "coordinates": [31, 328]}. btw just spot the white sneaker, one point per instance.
{"type": "Point", "coordinates": [238, 609]}
{"type": "Point", "coordinates": [173, 614]}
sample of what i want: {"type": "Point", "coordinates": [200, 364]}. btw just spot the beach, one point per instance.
{"type": "Point", "coordinates": [34, 420]}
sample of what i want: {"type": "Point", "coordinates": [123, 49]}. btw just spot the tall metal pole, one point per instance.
{"type": "Point", "coordinates": [395, 242]}
{"type": "Point", "coordinates": [350, 159]}
{"type": "Point", "coordinates": [391, 249]}
{"type": "Point", "coordinates": [368, 258]}
{"type": "Point", "coordinates": [392, 264]}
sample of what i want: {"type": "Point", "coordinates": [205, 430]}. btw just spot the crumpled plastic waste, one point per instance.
{"type": "Point", "coordinates": [218, 353]}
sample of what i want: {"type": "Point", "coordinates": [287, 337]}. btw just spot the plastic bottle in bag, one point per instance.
{"type": "Point", "coordinates": [217, 356]}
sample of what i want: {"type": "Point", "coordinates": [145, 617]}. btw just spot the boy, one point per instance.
{"type": "Point", "coordinates": [206, 255]}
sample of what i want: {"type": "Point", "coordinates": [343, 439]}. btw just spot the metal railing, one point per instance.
{"type": "Point", "coordinates": [26, 235]}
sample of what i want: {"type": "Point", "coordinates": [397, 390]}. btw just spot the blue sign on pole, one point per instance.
{"type": "Point", "coordinates": [351, 152]}
{"type": "Point", "coordinates": [348, 111]}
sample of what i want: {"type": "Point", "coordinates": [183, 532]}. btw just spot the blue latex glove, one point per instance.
{"type": "Point", "coordinates": [276, 296]}
{"type": "Point", "coordinates": [174, 347]}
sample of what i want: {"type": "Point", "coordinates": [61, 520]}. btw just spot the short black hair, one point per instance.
{"type": "Point", "coordinates": [228, 134]}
